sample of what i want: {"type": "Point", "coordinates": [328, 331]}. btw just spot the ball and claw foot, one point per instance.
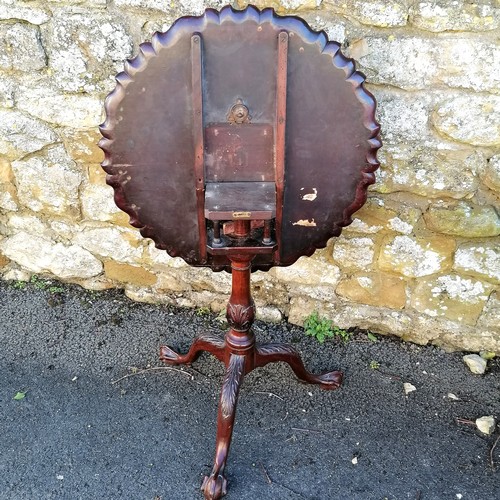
{"type": "Point", "coordinates": [168, 355]}
{"type": "Point", "coordinates": [330, 380]}
{"type": "Point", "coordinates": [214, 487]}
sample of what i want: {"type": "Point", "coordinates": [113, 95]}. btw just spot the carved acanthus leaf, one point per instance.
{"type": "Point", "coordinates": [240, 317]}
{"type": "Point", "coordinates": [231, 385]}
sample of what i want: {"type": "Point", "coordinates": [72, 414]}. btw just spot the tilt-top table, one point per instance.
{"type": "Point", "coordinates": [239, 141]}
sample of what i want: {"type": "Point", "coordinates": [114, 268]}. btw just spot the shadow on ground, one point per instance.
{"type": "Point", "coordinates": [94, 426]}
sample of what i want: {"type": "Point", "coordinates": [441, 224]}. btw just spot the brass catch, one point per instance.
{"type": "Point", "coordinates": [242, 215]}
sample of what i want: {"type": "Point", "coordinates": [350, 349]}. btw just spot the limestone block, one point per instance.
{"type": "Point", "coordinates": [266, 290]}
{"type": "Point", "coordinates": [40, 99]}
{"type": "Point", "coordinates": [384, 215]}
{"type": "Point", "coordinates": [459, 336]}
{"type": "Point", "coordinates": [24, 11]}
{"type": "Point", "coordinates": [160, 25]}
{"type": "Point", "coordinates": [159, 5]}
{"type": "Point", "coordinates": [63, 230]}
{"type": "Point", "coordinates": [451, 296]}
{"type": "Point", "coordinates": [40, 255]}
{"type": "Point", "coordinates": [205, 279]}
{"type": "Point", "coordinates": [171, 281]}
{"type": "Point", "coordinates": [128, 274]}
{"type": "Point", "coordinates": [281, 6]}
{"type": "Point", "coordinates": [268, 313]}
{"type": "Point", "coordinates": [471, 119]}
{"type": "Point", "coordinates": [469, 64]}
{"type": "Point", "coordinates": [87, 3]}
{"type": "Point", "coordinates": [405, 117]}
{"type": "Point", "coordinates": [463, 219]}
{"type": "Point", "coordinates": [459, 15]}
{"type": "Point", "coordinates": [3, 260]}
{"type": "Point", "coordinates": [49, 182]}
{"type": "Point", "coordinates": [28, 224]}
{"type": "Point", "coordinates": [479, 259]}
{"type": "Point", "coordinates": [354, 253]}
{"type": "Point", "coordinates": [7, 87]}
{"type": "Point", "coordinates": [416, 257]}
{"type": "Point", "coordinates": [413, 63]}
{"type": "Point", "coordinates": [16, 275]}
{"type": "Point", "coordinates": [51, 229]}
{"type": "Point", "coordinates": [119, 244]}
{"type": "Point", "coordinates": [400, 226]}
{"type": "Point", "coordinates": [98, 204]}
{"type": "Point", "coordinates": [321, 293]}
{"type": "Point", "coordinates": [6, 174]}
{"type": "Point", "coordinates": [403, 62]}
{"type": "Point", "coordinates": [490, 318]}
{"type": "Point", "coordinates": [358, 225]}
{"type": "Point", "coordinates": [308, 271]}
{"type": "Point", "coordinates": [8, 196]}
{"type": "Point", "coordinates": [21, 134]}
{"type": "Point", "coordinates": [375, 13]}
{"type": "Point", "coordinates": [491, 174]}
{"type": "Point", "coordinates": [376, 289]}
{"type": "Point", "coordinates": [372, 218]}
{"type": "Point", "coordinates": [160, 259]}
{"type": "Point", "coordinates": [82, 146]}
{"type": "Point", "coordinates": [86, 49]}
{"type": "Point", "coordinates": [21, 48]}
{"type": "Point", "coordinates": [140, 294]}
{"type": "Point", "coordinates": [97, 283]}
{"type": "Point", "coordinates": [336, 32]}
{"type": "Point", "coordinates": [186, 7]}
{"type": "Point", "coordinates": [216, 301]}
{"type": "Point", "coordinates": [434, 173]}
{"type": "Point", "coordinates": [157, 258]}
{"type": "Point", "coordinates": [344, 315]}
{"type": "Point", "coordinates": [96, 174]}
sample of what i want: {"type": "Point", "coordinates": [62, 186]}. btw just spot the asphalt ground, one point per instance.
{"type": "Point", "coordinates": [102, 418]}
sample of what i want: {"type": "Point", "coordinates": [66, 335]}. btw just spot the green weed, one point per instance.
{"type": "Point", "coordinates": [41, 284]}
{"type": "Point", "coordinates": [203, 311]}
{"type": "Point", "coordinates": [322, 328]}
{"type": "Point", "coordinates": [38, 283]}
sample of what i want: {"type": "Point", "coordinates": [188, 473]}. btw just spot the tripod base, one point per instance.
{"type": "Point", "coordinates": [238, 363]}
{"type": "Point", "coordinates": [240, 354]}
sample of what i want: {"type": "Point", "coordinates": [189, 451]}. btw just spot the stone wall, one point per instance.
{"type": "Point", "coordinates": [422, 258]}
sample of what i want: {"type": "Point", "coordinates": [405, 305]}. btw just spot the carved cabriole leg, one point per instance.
{"type": "Point", "coordinates": [204, 342]}
{"type": "Point", "coordinates": [214, 486]}
{"type": "Point", "coordinates": [240, 342]}
{"type": "Point", "coordinates": [271, 353]}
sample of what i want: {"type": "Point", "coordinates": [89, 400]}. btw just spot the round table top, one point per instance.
{"type": "Point", "coordinates": [330, 142]}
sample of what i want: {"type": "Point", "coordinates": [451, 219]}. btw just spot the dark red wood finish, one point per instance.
{"type": "Point", "coordinates": [240, 354]}
{"type": "Point", "coordinates": [253, 119]}
{"type": "Point", "coordinates": [289, 77]}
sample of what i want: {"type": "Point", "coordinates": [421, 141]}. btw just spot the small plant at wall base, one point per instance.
{"type": "Point", "coordinates": [19, 285]}
{"type": "Point", "coordinates": [203, 311]}
{"type": "Point", "coordinates": [322, 328]}
{"type": "Point", "coordinates": [41, 284]}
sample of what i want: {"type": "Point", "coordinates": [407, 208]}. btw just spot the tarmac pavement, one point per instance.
{"type": "Point", "coordinates": [102, 418]}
